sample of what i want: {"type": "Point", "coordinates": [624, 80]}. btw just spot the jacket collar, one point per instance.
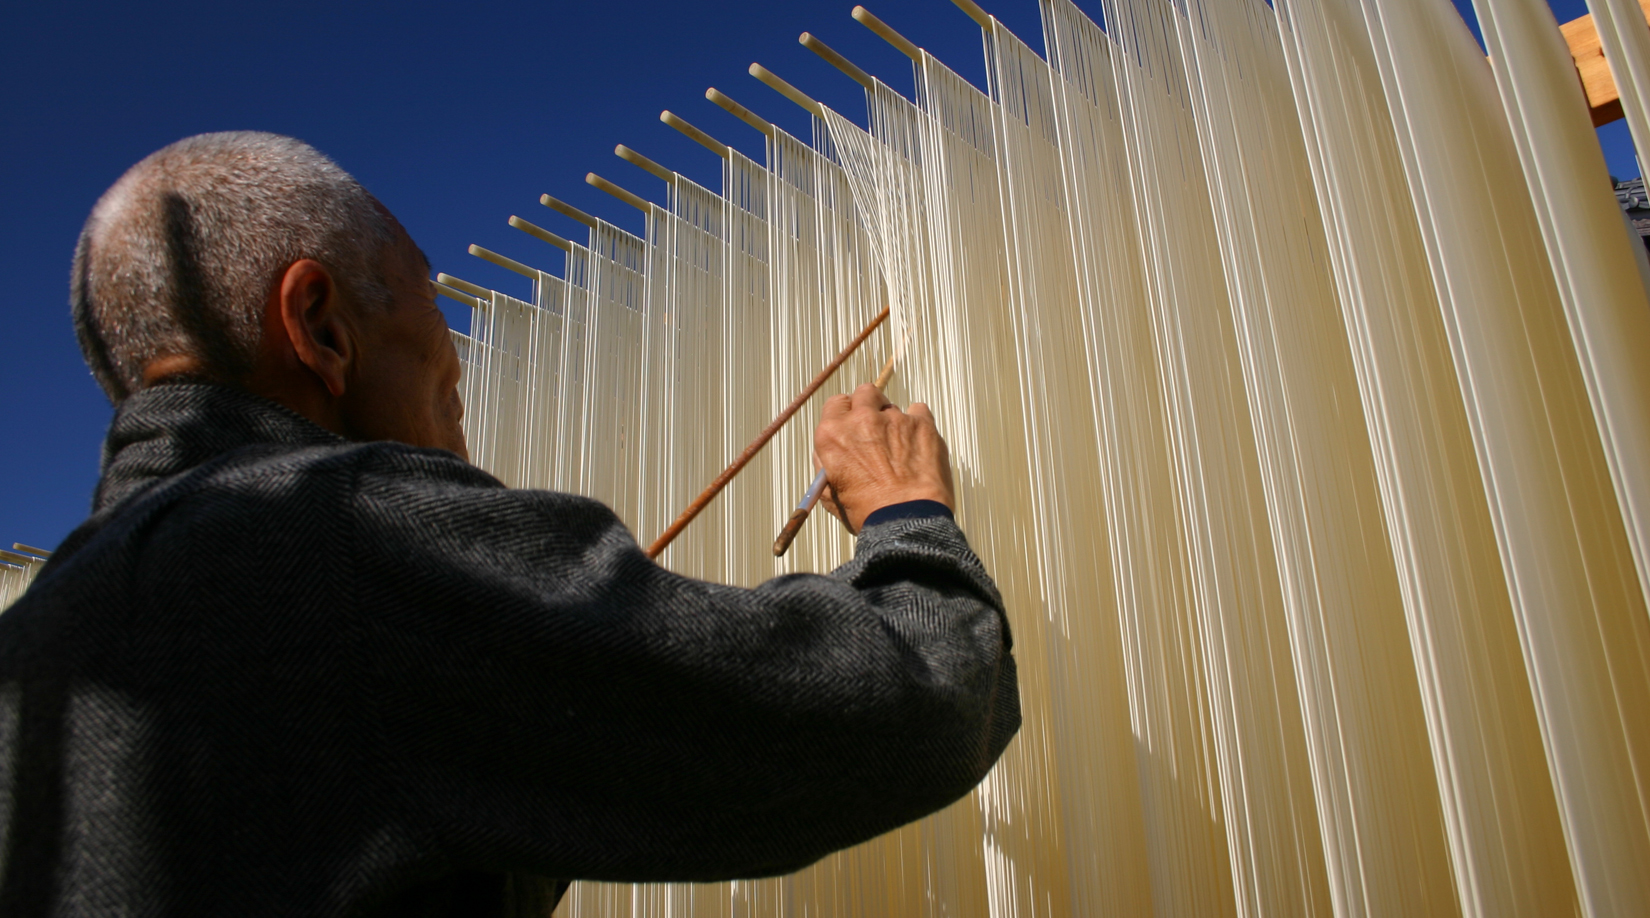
{"type": "Point", "coordinates": [170, 428]}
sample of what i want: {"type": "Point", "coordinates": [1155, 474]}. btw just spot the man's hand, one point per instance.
{"type": "Point", "coordinates": [875, 455]}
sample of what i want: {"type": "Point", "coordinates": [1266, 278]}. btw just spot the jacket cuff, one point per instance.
{"type": "Point", "coordinates": [908, 510]}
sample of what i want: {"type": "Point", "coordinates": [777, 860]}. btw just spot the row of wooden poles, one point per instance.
{"type": "Point", "coordinates": [24, 556]}
{"type": "Point", "coordinates": [474, 295]}
{"type": "Point", "coordinates": [467, 293]}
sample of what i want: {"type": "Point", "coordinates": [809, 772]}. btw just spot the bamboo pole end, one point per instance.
{"type": "Point", "coordinates": [836, 60]}
{"type": "Point", "coordinates": [636, 159]}
{"type": "Point", "coordinates": [540, 233]}
{"type": "Point", "coordinates": [700, 137]}
{"type": "Point", "coordinates": [509, 264]}
{"type": "Point", "coordinates": [634, 200]}
{"type": "Point", "coordinates": [475, 290]}
{"type": "Point", "coordinates": [886, 32]}
{"type": "Point", "coordinates": [787, 90]}
{"type": "Point", "coordinates": [739, 111]}
{"type": "Point", "coordinates": [566, 209]}
{"type": "Point", "coordinates": [975, 12]}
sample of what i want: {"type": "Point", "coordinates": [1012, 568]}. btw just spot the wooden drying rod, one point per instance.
{"type": "Point", "coordinates": [744, 458]}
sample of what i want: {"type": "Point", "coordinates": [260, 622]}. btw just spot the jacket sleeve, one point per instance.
{"type": "Point", "coordinates": [551, 701]}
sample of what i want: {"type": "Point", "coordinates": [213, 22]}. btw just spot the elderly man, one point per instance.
{"type": "Point", "coordinates": [303, 659]}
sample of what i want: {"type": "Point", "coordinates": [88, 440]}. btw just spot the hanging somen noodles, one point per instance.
{"type": "Point", "coordinates": [1292, 365]}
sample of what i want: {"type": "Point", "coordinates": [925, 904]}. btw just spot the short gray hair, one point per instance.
{"type": "Point", "coordinates": [179, 256]}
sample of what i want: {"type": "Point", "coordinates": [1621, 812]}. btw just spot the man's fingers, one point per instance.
{"type": "Point", "coordinates": [869, 397]}
{"type": "Point", "coordinates": [837, 405]}
{"type": "Point", "coordinates": [920, 410]}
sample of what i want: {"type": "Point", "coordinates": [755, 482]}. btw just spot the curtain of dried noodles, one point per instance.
{"type": "Point", "coordinates": [14, 579]}
{"type": "Point", "coordinates": [1287, 360]}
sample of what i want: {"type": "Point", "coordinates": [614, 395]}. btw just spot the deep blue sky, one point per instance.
{"type": "Point", "coordinates": [455, 115]}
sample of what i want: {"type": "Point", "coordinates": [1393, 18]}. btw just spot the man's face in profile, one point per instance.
{"type": "Point", "coordinates": [403, 384]}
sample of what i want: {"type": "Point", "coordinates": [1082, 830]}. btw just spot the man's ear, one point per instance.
{"type": "Point", "coordinates": [316, 317]}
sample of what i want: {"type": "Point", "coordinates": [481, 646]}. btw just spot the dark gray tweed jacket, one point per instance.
{"type": "Point", "coordinates": [278, 673]}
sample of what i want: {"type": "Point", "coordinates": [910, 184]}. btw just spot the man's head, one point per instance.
{"type": "Point", "coordinates": [252, 260]}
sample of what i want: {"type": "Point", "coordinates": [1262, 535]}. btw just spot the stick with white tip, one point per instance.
{"type": "Point", "coordinates": [799, 516]}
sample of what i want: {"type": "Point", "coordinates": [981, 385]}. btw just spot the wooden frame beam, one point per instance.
{"type": "Point", "coordinates": [1603, 99]}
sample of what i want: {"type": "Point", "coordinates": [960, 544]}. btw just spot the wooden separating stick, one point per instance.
{"type": "Point", "coordinates": [31, 549]}
{"type": "Point", "coordinates": [793, 526]}
{"type": "Point", "coordinates": [744, 458]}
{"type": "Point", "coordinates": [886, 374]}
